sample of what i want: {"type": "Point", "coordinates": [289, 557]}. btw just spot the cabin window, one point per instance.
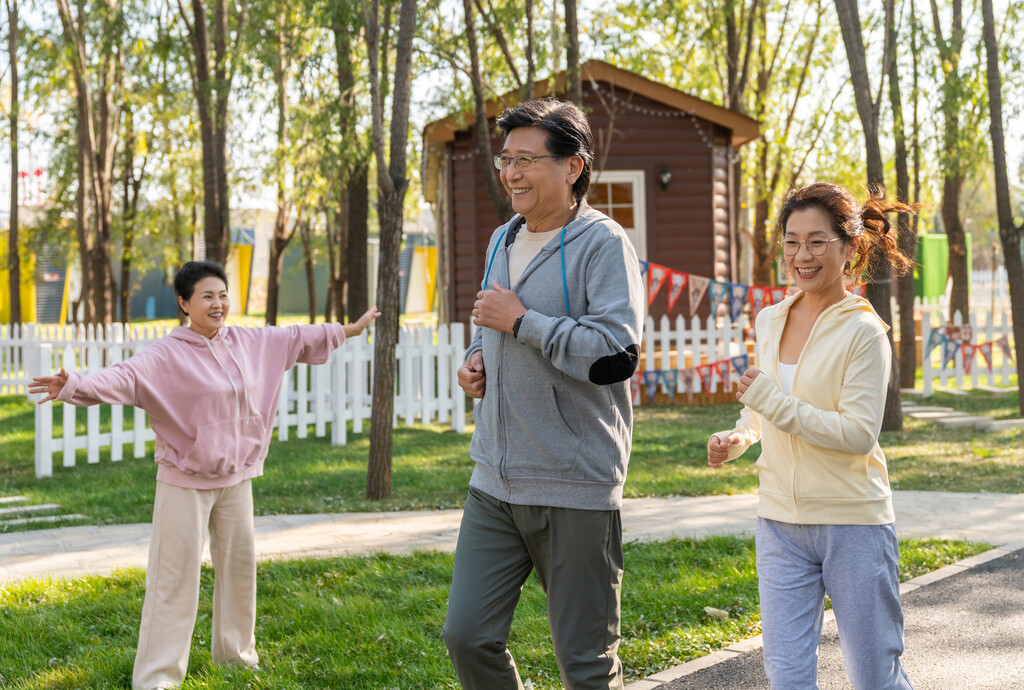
{"type": "Point", "coordinates": [620, 194]}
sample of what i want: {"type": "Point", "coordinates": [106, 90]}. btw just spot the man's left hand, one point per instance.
{"type": "Point", "coordinates": [497, 308]}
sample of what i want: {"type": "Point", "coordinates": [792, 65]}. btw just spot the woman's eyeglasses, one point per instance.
{"type": "Point", "coordinates": [816, 247]}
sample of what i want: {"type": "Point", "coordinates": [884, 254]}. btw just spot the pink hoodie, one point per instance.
{"type": "Point", "coordinates": [211, 401]}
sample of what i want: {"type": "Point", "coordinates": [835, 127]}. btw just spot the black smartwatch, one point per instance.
{"type": "Point", "coordinates": [516, 325]}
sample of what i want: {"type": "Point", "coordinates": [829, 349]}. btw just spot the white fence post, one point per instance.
{"type": "Point", "coordinates": [457, 334]}
{"type": "Point", "coordinates": [44, 414]}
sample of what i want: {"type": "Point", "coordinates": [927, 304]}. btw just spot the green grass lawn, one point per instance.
{"type": "Point", "coordinates": [431, 465]}
{"type": "Point", "coordinates": [375, 622]}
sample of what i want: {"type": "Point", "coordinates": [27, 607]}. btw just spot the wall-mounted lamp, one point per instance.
{"type": "Point", "coordinates": [664, 177]}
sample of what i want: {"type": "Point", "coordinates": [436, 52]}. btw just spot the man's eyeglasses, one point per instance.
{"type": "Point", "coordinates": [522, 162]}
{"type": "Point", "coordinates": [815, 247]}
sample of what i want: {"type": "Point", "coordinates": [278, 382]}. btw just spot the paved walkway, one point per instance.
{"type": "Point", "coordinates": [962, 633]}
{"type": "Point", "coordinates": [69, 551]}
{"type": "Point", "coordinates": [994, 518]}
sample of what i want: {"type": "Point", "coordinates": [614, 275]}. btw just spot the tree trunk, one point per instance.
{"type": "Point", "coordinates": [355, 254]}
{"type": "Point", "coordinates": [282, 233]}
{"type": "Point", "coordinates": [124, 307]}
{"type": "Point", "coordinates": [307, 255]}
{"type": "Point", "coordinates": [878, 291]}
{"type": "Point", "coordinates": [212, 91]}
{"type": "Point", "coordinates": [278, 243]}
{"type": "Point", "coordinates": [905, 236]}
{"type": "Point", "coordinates": [952, 166]}
{"type": "Point", "coordinates": [1009, 233]}
{"type": "Point", "coordinates": [482, 131]}
{"type": "Point", "coordinates": [573, 77]}
{"type": "Point", "coordinates": [13, 253]}
{"type": "Point", "coordinates": [99, 117]}
{"type": "Point", "coordinates": [338, 232]}
{"type": "Point", "coordinates": [392, 185]}
{"type": "Point", "coordinates": [952, 185]}
{"type": "Point", "coordinates": [83, 308]}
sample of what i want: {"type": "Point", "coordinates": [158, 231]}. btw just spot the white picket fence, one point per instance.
{"type": "Point", "coordinates": [334, 393]}
{"type": "Point", "coordinates": [683, 344]}
{"type": "Point", "coordinates": [990, 289]}
{"type": "Point", "coordinates": [987, 325]}
{"type": "Point", "coordinates": [984, 328]}
{"type": "Point", "coordinates": [18, 340]}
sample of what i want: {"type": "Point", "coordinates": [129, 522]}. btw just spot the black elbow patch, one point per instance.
{"type": "Point", "coordinates": [615, 368]}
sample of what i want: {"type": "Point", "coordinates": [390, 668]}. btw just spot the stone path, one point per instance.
{"type": "Point", "coordinates": [951, 419]}
{"type": "Point", "coordinates": [17, 511]}
{"type": "Point", "coordinates": [70, 551]}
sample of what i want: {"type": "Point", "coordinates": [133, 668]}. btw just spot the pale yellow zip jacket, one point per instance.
{"type": "Point", "coordinates": [820, 459]}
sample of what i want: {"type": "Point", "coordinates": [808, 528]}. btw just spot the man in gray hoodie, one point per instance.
{"type": "Point", "coordinates": [560, 316]}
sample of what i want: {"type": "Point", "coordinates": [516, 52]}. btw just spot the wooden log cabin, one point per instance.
{"type": "Point", "coordinates": [661, 170]}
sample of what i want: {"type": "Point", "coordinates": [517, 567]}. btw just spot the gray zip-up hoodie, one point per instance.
{"type": "Point", "coordinates": [555, 425]}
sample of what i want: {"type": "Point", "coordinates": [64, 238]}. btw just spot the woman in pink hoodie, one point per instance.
{"type": "Point", "coordinates": [211, 393]}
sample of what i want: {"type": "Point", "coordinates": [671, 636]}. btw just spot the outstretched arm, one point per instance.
{"type": "Point", "coordinates": [50, 385]}
{"type": "Point", "coordinates": [362, 323]}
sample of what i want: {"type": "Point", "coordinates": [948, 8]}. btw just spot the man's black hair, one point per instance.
{"type": "Point", "coordinates": [568, 133]}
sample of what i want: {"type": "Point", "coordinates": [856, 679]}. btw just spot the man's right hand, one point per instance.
{"type": "Point", "coordinates": [471, 375]}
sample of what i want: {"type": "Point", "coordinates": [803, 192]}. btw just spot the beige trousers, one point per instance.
{"type": "Point", "coordinates": [181, 518]}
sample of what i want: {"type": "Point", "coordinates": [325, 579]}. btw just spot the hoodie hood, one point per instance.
{"type": "Point", "coordinates": [851, 304]}
{"type": "Point", "coordinates": [585, 218]}
{"type": "Point", "coordinates": [186, 334]}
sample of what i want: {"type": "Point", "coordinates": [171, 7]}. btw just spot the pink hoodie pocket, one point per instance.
{"type": "Point", "coordinates": [225, 447]}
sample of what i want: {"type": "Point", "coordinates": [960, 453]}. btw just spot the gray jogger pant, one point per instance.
{"type": "Point", "coordinates": [578, 558]}
{"type": "Point", "coordinates": [858, 566]}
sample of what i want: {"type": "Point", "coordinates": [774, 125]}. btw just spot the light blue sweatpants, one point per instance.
{"type": "Point", "coordinates": [858, 566]}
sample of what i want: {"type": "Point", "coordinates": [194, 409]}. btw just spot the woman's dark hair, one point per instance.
{"type": "Point", "coordinates": [192, 272]}
{"type": "Point", "coordinates": [568, 133]}
{"type": "Point", "coordinates": [850, 218]}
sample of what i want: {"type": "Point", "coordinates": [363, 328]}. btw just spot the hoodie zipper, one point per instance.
{"type": "Point", "coordinates": [796, 372]}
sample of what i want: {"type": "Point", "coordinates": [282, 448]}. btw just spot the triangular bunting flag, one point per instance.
{"type": "Point", "coordinates": [670, 377]}
{"type": "Point", "coordinates": [738, 295]}
{"type": "Point", "coordinates": [741, 363]}
{"type": "Point", "coordinates": [986, 353]}
{"type": "Point", "coordinates": [634, 388]}
{"type": "Point", "coordinates": [1004, 345]}
{"type": "Point", "coordinates": [651, 382]}
{"type": "Point", "coordinates": [968, 350]}
{"type": "Point", "coordinates": [949, 350]}
{"type": "Point", "coordinates": [676, 283]}
{"type": "Point", "coordinates": [722, 367]}
{"type": "Point", "coordinates": [857, 289]}
{"type": "Point", "coordinates": [719, 292]}
{"type": "Point", "coordinates": [759, 299]}
{"type": "Point", "coordinates": [688, 380]}
{"type": "Point", "coordinates": [698, 285]}
{"type": "Point", "coordinates": [657, 279]}
{"type": "Point", "coordinates": [935, 338]}
{"type": "Point", "coordinates": [777, 294]}
{"type": "Point", "coordinates": [704, 371]}
{"type": "Point", "coordinates": [643, 268]}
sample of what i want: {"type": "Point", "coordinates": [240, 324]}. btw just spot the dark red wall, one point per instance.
{"type": "Point", "coordinates": [679, 219]}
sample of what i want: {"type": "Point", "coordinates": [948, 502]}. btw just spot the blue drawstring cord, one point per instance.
{"type": "Point", "coordinates": [561, 251]}
{"type": "Point", "coordinates": [561, 248]}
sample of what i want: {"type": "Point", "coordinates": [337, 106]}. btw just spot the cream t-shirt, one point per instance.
{"type": "Point", "coordinates": [526, 246]}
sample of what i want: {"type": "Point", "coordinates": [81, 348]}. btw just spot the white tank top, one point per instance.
{"type": "Point", "coordinates": [786, 372]}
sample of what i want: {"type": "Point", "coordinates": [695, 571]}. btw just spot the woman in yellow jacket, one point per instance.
{"type": "Point", "coordinates": [825, 517]}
